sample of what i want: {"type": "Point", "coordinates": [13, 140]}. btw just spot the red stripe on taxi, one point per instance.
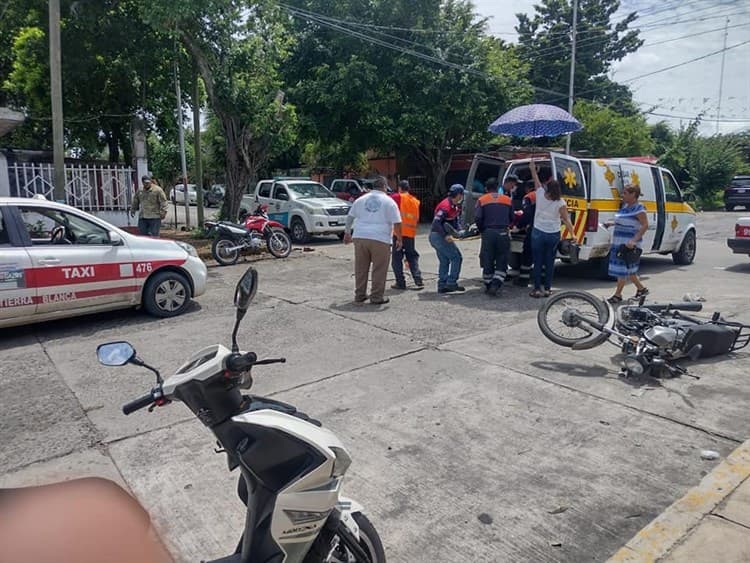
{"type": "Point", "coordinates": [88, 273]}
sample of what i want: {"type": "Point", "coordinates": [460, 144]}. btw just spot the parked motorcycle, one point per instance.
{"type": "Point", "coordinates": [257, 229]}
{"type": "Point", "coordinates": [292, 468]}
{"type": "Point", "coordinates": [651, 336]}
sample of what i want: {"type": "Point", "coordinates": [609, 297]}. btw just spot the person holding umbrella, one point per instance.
{"type": "Point", "coordinates": [545, 236]}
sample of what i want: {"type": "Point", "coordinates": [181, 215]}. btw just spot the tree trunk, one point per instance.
{"type": "Point", "coordinates": [113, 143]}
{"type": "Point", "coordinates": [437, 162]}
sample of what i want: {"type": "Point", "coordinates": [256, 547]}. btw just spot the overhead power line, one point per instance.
{"type": "Point", "coordinates": [707, 117]}
{"type": "Point", "coordinates": [329, 22]}
{"type": "Point", "coordinates": [333, 24]}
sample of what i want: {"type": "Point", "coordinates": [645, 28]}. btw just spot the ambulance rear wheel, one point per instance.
{"type": "Point", "coordinates": [686, 254]}
{"type": "Point", "coordinates": [167, 294]}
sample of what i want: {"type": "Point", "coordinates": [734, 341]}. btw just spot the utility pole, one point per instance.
{"type": "Point", "coordinates": [55, 75]}
{"type": "Point", "coordinates": [572, 69]}
{"type": "Point", "coordinates": [721, 76]}
{"type": "Point", "coordinates": [197, 146]}
{"type": "Point", "coordinates": [182, 143]}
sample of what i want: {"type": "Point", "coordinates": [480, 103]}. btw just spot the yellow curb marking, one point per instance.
{"type": "Point", "coordinates": [658, 537]}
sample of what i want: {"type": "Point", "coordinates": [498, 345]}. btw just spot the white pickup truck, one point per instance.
{"type": "Point", "coordinates": [304, 207]}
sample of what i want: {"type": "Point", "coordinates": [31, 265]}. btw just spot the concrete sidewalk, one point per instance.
{"type": "Point", "coordinates": [710, 523]}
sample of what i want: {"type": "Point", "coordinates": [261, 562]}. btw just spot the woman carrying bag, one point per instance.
{"type": "Point", "coordinates": [630, 224]}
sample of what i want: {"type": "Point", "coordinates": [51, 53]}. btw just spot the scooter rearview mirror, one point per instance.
{"type": "Point", "coordinates": [246, 288]}
{"type": "Point", "coordinates": [115, 353]}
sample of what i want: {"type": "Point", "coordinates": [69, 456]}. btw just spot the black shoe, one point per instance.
{"type": "Point", "coordinates": [493, 289]}
{"type": "Point", "coordinates": [454, 288]}
{"type": "Point", "coordinates": [521, 282]}
{"type": "Point", "coordinates": [398, 286]}
{"type": "Point", "coordinates": [418, 282]}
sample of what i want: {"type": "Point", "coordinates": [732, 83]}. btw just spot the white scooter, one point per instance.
{"type": "Point", "coordinates": [292, 468]}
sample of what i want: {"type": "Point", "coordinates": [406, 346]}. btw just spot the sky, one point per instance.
{"type": "Point", "coordinates": [678, 26]}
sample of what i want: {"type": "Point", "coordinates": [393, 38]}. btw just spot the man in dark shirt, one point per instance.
{"type": "Point", "coordinates": [493, 216]}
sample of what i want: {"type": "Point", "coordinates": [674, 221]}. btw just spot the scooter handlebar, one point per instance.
{"type": "Point", "coordinates": [139, 403]}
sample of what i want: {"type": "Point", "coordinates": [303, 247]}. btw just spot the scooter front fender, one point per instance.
{"type": "Point", "coordinates": [347, 507]}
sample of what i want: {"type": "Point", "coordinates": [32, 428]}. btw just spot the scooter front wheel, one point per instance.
{"type": "Point", "coordinates": [279, 243]}
{"type": "Point", "coordinates": [563, 319]}
{"type": "Point", "coordinates": [223, 251]}
{"type": "Point", "coordinates": [333, 548]}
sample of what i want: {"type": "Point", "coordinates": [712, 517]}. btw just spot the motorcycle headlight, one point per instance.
{"type": "Point", "coordinates": [189, 248]}
{"type": "Point", "coordinates": [341, 463]}
{"type": "Point", "coordinates": [634, 365]}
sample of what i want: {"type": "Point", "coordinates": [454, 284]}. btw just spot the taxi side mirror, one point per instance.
{"type": "Point", "coordinates": [115, 239]}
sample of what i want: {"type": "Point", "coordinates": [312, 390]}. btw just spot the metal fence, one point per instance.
{"type": "Point", "coordinates": [90, 187]}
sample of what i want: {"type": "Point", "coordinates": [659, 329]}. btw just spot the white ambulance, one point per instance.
{"type": "Point", "coordinates": [591, 188]}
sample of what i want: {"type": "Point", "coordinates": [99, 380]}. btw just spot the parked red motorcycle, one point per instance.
{"type": "Point", "coordinates": [233, 239]}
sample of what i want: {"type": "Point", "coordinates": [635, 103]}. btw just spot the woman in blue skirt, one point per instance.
{"type": "Point", "coordinates": [630, 223]}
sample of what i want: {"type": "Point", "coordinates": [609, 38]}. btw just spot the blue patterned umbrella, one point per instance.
{"type": "Point", "coordinates": [535, 120]}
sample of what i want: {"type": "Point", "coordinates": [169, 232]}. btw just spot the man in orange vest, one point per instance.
{"type": "Point", "coordinates": [409, 207]}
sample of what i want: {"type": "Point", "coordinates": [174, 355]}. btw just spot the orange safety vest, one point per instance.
{"type": "Point", "coordinates": [409, 207]}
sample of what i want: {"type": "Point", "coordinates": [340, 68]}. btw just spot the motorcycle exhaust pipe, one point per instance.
{"type": "Point", "coordinates": [233, 248]}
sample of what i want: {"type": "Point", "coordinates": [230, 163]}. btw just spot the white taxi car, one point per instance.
{"type": "Point", "coordinates": [57, 261]}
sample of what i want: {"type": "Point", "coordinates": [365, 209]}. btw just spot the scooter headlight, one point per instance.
{"type": "Point", "coordinates": [634, 365]}
{"type": "Point", "coordinates": [341, 463]}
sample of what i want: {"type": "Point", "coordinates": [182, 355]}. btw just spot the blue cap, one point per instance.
{"type": "Point", "coordinates": [455, 189]}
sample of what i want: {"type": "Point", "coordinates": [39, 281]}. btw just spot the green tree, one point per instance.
{"type": "Point", "coordinates": [712, 162]}
{"type": "Point", "coordinates": [703, 165]}
{"type": "Point", "coordinates": [111, 71]}
{"type": "Point", "coordinates": [355, 93]}
{"type": "Point", "coordinates": [608, 133]}
{"type": "Point", "coordinates": [663, 137]}
{"type": "Point", "coordinates": [238, 47]}
{"type": "Point", "coordinates": [544, 40]}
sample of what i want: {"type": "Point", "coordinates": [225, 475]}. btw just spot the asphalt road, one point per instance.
{"type": "Point", "coordinates": [473, 437]}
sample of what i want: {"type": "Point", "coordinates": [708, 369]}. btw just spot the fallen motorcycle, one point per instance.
{"type": "Point", "coordinates": [233, 239]}
{"type": "Point", "coordinates": [651, 336]}
{"type": "Point", "coordinates": [292, 469]}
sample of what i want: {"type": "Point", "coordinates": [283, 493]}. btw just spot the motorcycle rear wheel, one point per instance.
{"type": "Point", "coordinates": [221, 253]}
{"type": "Point", "coordinates": [279, 243]}
{"type": "Point", "coordinates": [566, 306]}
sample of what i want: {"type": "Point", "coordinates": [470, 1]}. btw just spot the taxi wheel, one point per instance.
{"type": "Point", "coordinates": [167, 294]}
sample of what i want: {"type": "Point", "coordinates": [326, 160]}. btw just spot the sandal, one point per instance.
{"type": "Point", "coordinates": [536, 294]}
{"type": "Point", "coordinates": [614, 299]}
{"type": "Point", "coordinates": [641, 292]}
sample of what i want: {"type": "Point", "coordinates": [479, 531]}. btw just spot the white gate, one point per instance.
{"type": "Point", "coordinates": [90, 187]}
{"type": "Point", "coordinates": [101, 189]}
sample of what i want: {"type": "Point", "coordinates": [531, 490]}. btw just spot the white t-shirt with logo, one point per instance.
{"type": "Point", "coordinates": [547, 215]}
{"type": "Point", "coordinates": [375, 215]}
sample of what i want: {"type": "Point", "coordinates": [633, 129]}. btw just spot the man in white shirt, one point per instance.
{"type": "Point", "coordinates": [377, 221]}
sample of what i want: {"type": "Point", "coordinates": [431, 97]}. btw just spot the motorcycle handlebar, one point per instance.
{"type": "Point", "coordinates": [679, 306]}
{"type": "Point", "coordinates": [139, 403]}
{"type": "Point", "coordinates": [241, 362]}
